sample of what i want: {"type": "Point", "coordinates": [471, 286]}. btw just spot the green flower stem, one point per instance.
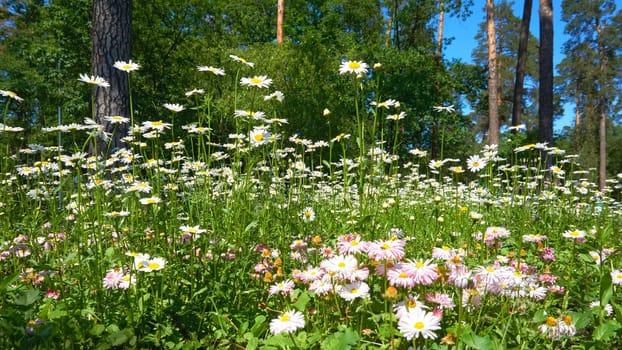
{"type": "Point", "coordinates": [4, 136]}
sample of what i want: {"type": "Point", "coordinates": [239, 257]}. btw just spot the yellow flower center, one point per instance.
{"type": "Point", "coordinates": [284, 318]}
{"type": "Point", "coordinates": [419, 325]}
{"type": "Point", "coordinates": [354, 291]}
{"type": "Point", "coordinates": [567, 319]}
{"type": "Point", "coordinates": [411, 304]}
{"type": "Point", "coordinates": [550, 321]}
{"type": "Point", "coordinates": [403, 275]}
{"type": "Point", "coordinates": [259, 138]}
{"type": "Point", "coordinates": [256, 80]}
{"type": "Point", "coordinates": [341, 264]}
{"type": "Point", "coordinates": [154, 265]}
{"type": "Point", "coordinates": [354, 65]}
{"type": "Point", "coordinates": [385, 246]}
{"type": "Point", "coordinates": [419, 264]}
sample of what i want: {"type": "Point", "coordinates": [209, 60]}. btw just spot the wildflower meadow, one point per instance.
{"type": "Point", "coordinates": [191, 239]}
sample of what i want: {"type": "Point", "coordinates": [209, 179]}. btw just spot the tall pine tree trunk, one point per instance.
{"type": "Point", "coordinates": [441, 23]}
{"type": "Point", "coordinates": [493, 83]}
{"type": "Point", "coordinates": [517, 100]}
{"type": "Point", "coordinates": [602, 109]}
{"type": "Point", "coordinates": [577, 110]}
{"type": "Point", "coordinates": [110, 37]}
{"type": "Point", "coordinates": [545, 112]}
{"type": "Point", "coordinates": [391, 19]}
{"type": "Point", "coordinates": [279, 21]}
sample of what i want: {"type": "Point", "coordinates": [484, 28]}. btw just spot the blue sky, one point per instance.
{"type": "Point", "coordinates": [464, 42]}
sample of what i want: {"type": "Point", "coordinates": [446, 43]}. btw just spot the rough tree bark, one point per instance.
{"type": "Point", "coordinates": [279, 21]}
{"type": "Point", "coordinates": [110, 38]}
{"type": "Point", "coordinates": [521, 64]}
{"type": "Point", "coordinates": [545, 112]}
{"type": "Point", "coordinates": [602, 110]}
{"type": "Point", "coordinates": [441, 24]}
{"type": "Point", "coordinates": [493, 83]}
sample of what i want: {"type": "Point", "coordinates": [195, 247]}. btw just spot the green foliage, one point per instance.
{"type": "Point", "coordinates": [345, 339]}
{"type": "Point", "coordinates": [170, 40]}
{"type": "Point", "coordinates": [589, 73]}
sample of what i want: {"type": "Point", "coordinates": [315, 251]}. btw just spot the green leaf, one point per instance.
{"type": "Point", "coordinates": [302, 301]}
{"type": "Point", "coordinates": [109, 252]}
{"type": "Point", "coordinates": [341, 340]}
{"type": "Point", "coordinates": [103, 346]}
{"type": "Point", "coordinates": [221, 320]}
{"type": "Point", "coordinates": [606, 330]}
{"type": "Point", "coordinates": [118, 338]}
{"type": "Point", "coordinates": [243, 327]}
{"type": "Point", "coordinates": [252, 341]}
{"type": "Point", "coordinates": [113, 328]}
{"type": "Point", "coordinates": [97, 329]}
{"type": "Point", "coordinates": [199, 292]}
{"type": "Point", "coordinates": [27, 297]}
{"type": "Point", "coordinates": [259, 326]}
{"type": "Point", "coordinates": [251, 226]}
{"type": "Point", "coordinates": [477, 342]}
{"type": "Point", "coordinates": [8, 280]}
{"type": "Point", "coordinates": [57, 313]}
{"type": "Point", "coordinates": [280, 340]}
{"type": "Point", "coordinates": [581, 319]}
{"type": "Point", "coordinates": [617, 310]}
{"type": "Point", "coordinates": [606, 289]}
{"type": "Point", "coordinates": [386, 331]}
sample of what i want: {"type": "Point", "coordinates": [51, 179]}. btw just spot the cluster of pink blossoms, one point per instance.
{"type": "Point", "coordinates": [117, 279]}
{"type": "Point", "coordinates": [345, 272]}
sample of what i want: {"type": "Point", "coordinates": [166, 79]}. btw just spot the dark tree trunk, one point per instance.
{"type": "Point", "coordinates": [521, 64]}
{"type": "Point", "coordinates": [602, 110]}
{"type": "Point", "coordinates": [545, 112]}
{"type": "Point", "coordinates": [110, 37]}
{"type": "Point", "coordinates": [493, 82]}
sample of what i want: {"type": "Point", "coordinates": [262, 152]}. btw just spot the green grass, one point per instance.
{"type": "Point", "coordinates": [231, 220]}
